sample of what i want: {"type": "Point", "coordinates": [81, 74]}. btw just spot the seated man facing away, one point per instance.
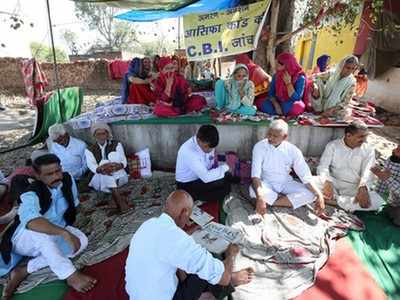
{"type": "Point", "coordinates": [273, 160]}
{"type": "Point", "coordinates": [390, 183]}
{"type": "Point", "coordinates": [43, 230]}
{"type": "Point", "coordinates": [107, 161]}
{"type": "Point", "coordinates": [194, 167]}
{"type": "Point", "coordinates": [165, 263]}
{"type": "Point", "coordinates": [70, 150]}
{"type": "Point", "coordinates": [344, 171]}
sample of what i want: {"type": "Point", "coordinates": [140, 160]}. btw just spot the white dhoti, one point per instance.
{"type": "Point", "coordinates": [49, 250]}
{"type": "Point", "coordinates": [345, 193]}
{"type": "Point", "coordinates": [296, 192]}
{"type": "Point", "coordinates": [104, 183]}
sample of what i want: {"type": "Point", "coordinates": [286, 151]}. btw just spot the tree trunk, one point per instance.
{"type": "Point", "coordinates": [284, 25]}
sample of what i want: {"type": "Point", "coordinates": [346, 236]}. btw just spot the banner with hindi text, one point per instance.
{"type": "Point", "coordinates": [223, 33]}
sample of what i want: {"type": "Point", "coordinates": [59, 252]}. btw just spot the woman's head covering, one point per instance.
{"type": "Point", "coordinates": [100, 125]}
{"type": "Point", "coordinates": [293, 68]}
{"type": "Point", "coordinates": [165, 60]}
{"type": "Point", "coordinates": [238, 67]}
{"type": "Point", "coordinates": [322, 62]}
{"type": "Point", "coordinates": [336, 85]}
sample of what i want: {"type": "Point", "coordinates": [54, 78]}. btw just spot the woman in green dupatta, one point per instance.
{"type": "Point", "coordinates": [333, 90]}
{"type": "Point", "coordinates": [236, 94]}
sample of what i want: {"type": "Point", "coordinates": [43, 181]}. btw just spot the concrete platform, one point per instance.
{"type": "Point", "coordinates": [165, 140]}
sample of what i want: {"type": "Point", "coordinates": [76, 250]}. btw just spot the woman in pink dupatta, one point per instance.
{"type": "Point", "coordinates": [174, 96]}
{"type": "Point", "coordinates": [288, 92]}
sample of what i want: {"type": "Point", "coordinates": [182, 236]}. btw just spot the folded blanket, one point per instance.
{"type": "Point", "coordinates": [286, 248]}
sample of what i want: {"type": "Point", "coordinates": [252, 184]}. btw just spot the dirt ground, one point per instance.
{"type": "Point", "coordinates": [17, 121]}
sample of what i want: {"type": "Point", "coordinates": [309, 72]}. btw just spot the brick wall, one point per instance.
{"type": "Point", "coordinates": [89, 75]}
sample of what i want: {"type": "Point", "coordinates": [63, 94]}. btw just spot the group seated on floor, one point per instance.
{"type": "Point", "coordinates": [330, 91]}
{"type": "Point", "coordinates": [47, 201]}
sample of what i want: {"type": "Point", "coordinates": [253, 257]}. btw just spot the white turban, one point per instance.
{"type": "Point", "coordinates": [56, 130]}
{"type": "Point", "coordinates": [37, 153]}
{"type": "Point", "coordinates": [101, 125]}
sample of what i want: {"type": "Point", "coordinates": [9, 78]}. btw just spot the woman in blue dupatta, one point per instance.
{"type": "Point", "coordinates": [136, 88]}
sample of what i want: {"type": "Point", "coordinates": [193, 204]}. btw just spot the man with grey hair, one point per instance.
{"type": "Point", "coordinates": [273, 160]}
{"type": "Point", "coordinates": [70, 150]}
{"type": "Point", "coordinates": [345, 171]}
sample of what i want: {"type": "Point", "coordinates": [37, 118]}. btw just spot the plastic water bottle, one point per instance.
{"type": "Point", "coordinates": [2, 177]}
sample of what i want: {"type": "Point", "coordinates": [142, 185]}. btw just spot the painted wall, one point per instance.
{"type": "Point", "coordinates": [385, 90]}
{"type": "Point", "coordinates": [326, 43]}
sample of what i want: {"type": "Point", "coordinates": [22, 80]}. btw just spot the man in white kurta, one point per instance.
{"type": "Point", "coordinates": [273, 160]}
{"type": "Point", "coordinates": [196, 169]}
{"type": "Point", "coordinates": [70, 150]}
{"type": "Point", "coordinates": [165, 263]}
{"type": "Point", "coordinates": [107, 161]}
{"type": "Point", "coordinates": [345, 171]}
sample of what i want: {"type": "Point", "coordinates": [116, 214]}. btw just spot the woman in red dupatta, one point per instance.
{"type": "Point", "coordinates": [173, 92]}
{"type": "Point", "coordinates": [288, 93]}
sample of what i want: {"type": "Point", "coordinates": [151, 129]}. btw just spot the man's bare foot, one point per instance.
{"type": "Point", "coordinates": [241, 277]}
{"type": "Point", "coordinates": [81, 282]}
{"type": "Point", "coordinates": [17, 275]}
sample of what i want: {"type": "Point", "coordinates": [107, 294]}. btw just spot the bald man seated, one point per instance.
{"type": "Point", "coordinates": [165, 263]}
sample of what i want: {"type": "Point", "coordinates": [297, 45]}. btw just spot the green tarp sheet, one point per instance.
{"type": "Point", "coordinates": [50, 291]}
{"type": "Point", "coordinates": [379, 249]}
{"type": "Point", "coordinates": [71, 102]}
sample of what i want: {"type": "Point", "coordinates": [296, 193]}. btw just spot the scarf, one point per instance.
{"type": "Point", "coordinates": [135, 69]}
{"type": "Point", "coordinates": [322, 62]}
{"type": "Point", "coordinates": [294, 70]}
{"type": "Point", "coordinates": [232, 87]}
{"type": "Point", "coordinates": [336, 87]}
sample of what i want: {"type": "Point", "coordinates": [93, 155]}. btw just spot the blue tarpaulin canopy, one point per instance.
{"type": "Point", "coordinates": [201, 6]}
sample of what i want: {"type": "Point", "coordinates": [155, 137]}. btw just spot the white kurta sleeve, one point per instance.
{"type": "Point", "coordinates": [300, 166]}
{"type": "Point", "coordinates": [367, 164]}
{"type": "Point", "coordinates": [325, 162]}
{"type": "Point", "coordinates": [198, 167]}
{"type": "Point", "coordinates": [91, 161]}
{"type": "Point", "coordinates": [83, 158]}
{"type": "Point", "coordinates": [256, 162]}
{"type": "Point", "coordinates": [121, 154]}
{"type": "Point", "coordinates": [184, 253]}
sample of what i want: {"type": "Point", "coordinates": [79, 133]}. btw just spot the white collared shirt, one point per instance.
{"type": "Point", "coordinates": [193, 163]}
{"type": "Point", "coordinates": [345, 164]}
{"type": "Point", "coordinates": [73, 159]}
{"type": "Point", "coordinates": [158, 248]}
{"type": "Point", "coordinates": [273, 164]}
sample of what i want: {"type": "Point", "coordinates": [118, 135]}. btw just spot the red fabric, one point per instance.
{"type": "Point", "coordinates": [193, 103]}
{"type": "Point", "coordinates": [140, 94]}
{"type": "Point", "coordinates": [35, 81]}
{"type": "Point", "coordinates": [163, 107]}
{"type": "Point", "coordinates": [344, 277]}
{"type": "Point", "coordinates": [110, 275]}
{"type": "Point", "coordinates": [297, 109]}
{"type": "Point", "coordinates": [117, 69]}
{"type": "Point", "coordinates": [361, 85]}
{"type": "Point", "coordinates": [294, 70]}
{"type": "Point", "coordinates": [165, 60]}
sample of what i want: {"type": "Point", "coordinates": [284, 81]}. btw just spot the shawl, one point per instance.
{"type": "Point", "coordinates": [294, 70]}
{"type": "Point", "coordinates": [231, 85]}
{"type": "Point", "coordinates": [322, 62]}
{"type": "Point", "coordinates": [336, 87]}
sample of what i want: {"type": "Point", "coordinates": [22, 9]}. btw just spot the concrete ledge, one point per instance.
{"type": "Point", "coordinates": [165, 140]}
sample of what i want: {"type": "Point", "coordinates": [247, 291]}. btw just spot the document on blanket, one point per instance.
{"type": "Point", "coordinates": [200, 217]}
{"type": "Point", "coordinates": [217, 237]}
